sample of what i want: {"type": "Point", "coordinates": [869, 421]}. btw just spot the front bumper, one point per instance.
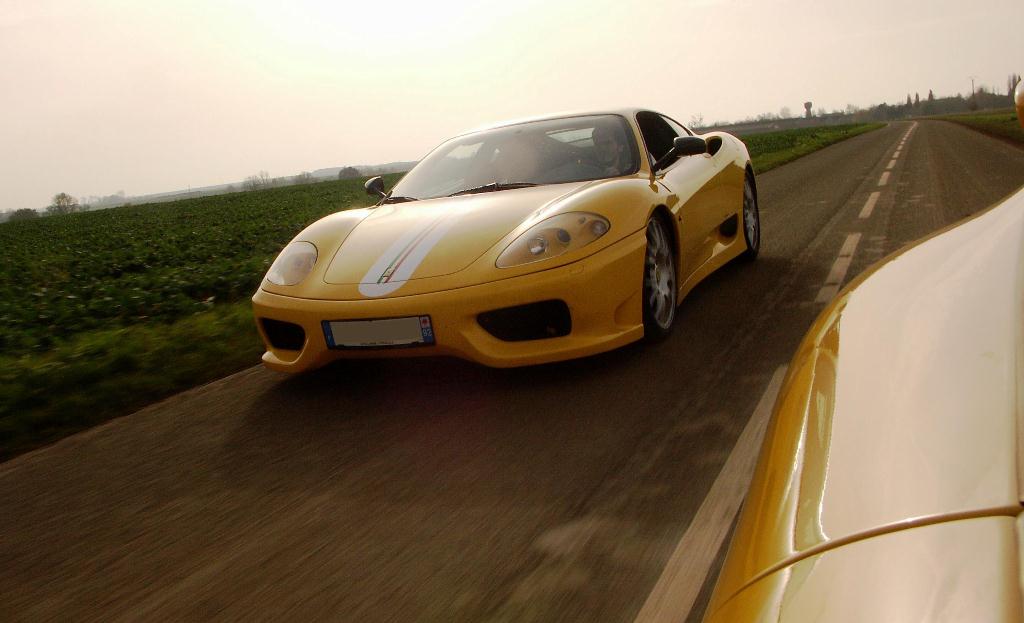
{"type": "Point", "coordinates": [603, 293]}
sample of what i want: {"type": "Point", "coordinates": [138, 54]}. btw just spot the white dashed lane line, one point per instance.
{"type": "Point", "coordinates": [839, 269]}
{"type": "Point", "coordinates": [842, 264]}
{"type": "Point", "coordinates": [836, 274]}
{"type": "Point", "coordinates": [684, 573]}
{"type": "Point", "coordinates": [869, 205]}
{"type": "Point", "coordinates": [849, 245]}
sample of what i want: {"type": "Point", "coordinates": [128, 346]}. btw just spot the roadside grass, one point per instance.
{"type": "Point", "coordinates": [104, 312]}
{"type": "Point", "coordinates": [1000, 124]}
{"type": "Point", "coordinates": [101, 374]}
{"type": "Point", "coordinates": [773, 149]}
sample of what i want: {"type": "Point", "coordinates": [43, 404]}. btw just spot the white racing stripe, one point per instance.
{"type": "Point", "coordinates": [680, 582]}
{"type": "Point", "coordinates": [405, 263]}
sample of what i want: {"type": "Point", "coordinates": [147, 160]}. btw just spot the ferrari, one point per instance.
{"type": "Point", "coordinates": [522, 243]}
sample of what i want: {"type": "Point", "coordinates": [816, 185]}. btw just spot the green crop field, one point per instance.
{"type": "Point", "coordinates": [773, 149]}
{"type": "Point", "coordinates": [1001, 124]}
{"type": "Point", "coordinates": [65, 275]}
{"type": "Point", "coordinates": [104, 312]}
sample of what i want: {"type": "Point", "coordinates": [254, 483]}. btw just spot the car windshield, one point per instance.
{"type": "Point", "coordinates": [552, 151]}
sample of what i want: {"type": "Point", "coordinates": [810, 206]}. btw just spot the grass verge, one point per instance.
{"type": "Point", "coordinates": [1000, 124]}
{"type": "Point", "coordinates": [774, 149]}
{"type": "Point", "coordinates": [101, 374]}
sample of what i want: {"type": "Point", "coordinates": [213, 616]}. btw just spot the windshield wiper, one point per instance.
{"type": "Point", "coordinates": [492, 187]}
{"type": "Point", "coordinates": [398, 199]}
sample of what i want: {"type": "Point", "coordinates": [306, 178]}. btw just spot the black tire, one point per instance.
{"type": "Point", "coordinates": [660, 289]}
{"type": "Point", "coordinates": [751, 219]}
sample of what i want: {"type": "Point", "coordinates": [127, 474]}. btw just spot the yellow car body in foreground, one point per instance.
{"type": "Point", "coordinates": [889, 484]}
{"type": "Point", "coordinates": [524, 243]}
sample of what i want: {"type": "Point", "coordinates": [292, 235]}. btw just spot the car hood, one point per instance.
{"type": "Point", "coordinates": [900, 408]}
{"type": "Point", "coordinates": [435, 237]}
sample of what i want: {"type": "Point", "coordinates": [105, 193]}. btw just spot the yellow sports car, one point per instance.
{"type": "Point", "coordinates": [891, 480]}
{"type": "Point", "coordinates": [522, 243]}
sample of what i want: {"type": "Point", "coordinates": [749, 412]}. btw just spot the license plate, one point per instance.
{"type": "Point", "coordinates": [379, 333]}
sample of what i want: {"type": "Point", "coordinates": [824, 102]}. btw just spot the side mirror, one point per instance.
{"type": "Point", "coordinates": [375, 187]}
{"type": "Point", "coordinates": [682, 146]}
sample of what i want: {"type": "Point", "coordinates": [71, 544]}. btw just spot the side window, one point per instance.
{"type": "Point", "coordinates": [680, 130]}
{"type": "Point", "coordinates": [657, 133]}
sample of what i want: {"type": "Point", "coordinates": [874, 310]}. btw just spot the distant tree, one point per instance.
{"type": "Point", "coordinates": [63, 203]}
{"type": "Point", "coordinates": [23, 214]}
{"type": "Point", "coordinates": [257, 182]}
{"type": "Point", "coordinates": [303, 178]}
{"type": "Point", "coordinates": [348, 173]}
{"type": "Point", "coordinates": [917, 100]}
{"type": "Point", "coordinates": [231, 189]}
{"type": "Point", "coordinates": [972, 101]}
{"type": "Point", "coordinates": [697, 121]}
{"type": "Point", "coordinates": [785, 113]}
{"type": "Point", "coordinates": [931, 96]}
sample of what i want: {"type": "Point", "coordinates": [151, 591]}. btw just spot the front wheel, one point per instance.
{"type": "Point", "coordinates": [751, 219]}
{"type": "Point", "coordinates": [659, 296]}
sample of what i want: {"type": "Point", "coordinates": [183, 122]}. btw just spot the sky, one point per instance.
{"type": "Point", "coordinates": [103, 96]}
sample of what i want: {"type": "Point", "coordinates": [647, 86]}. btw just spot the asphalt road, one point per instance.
{"type": "Point", "coordinates": [442, 491]}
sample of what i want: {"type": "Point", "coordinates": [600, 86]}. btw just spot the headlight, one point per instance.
{"type": "Point", "coordinates": [553, 237]}
{"type": "Point", "coordinates": [294, 263]}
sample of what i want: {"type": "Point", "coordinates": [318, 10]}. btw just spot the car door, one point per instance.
{"type": "Point", "coordinates": [692, 180]}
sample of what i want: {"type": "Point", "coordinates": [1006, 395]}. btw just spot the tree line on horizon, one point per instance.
{"type": "Point", "coordinates": [63, 203]}
{"type": "Point", "coordinates": [982, 99]}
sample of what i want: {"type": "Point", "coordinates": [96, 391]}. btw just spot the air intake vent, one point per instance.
{"type": "Point", "coordinates": [535, 321]}
{"type": "Point", "coordinates": [283, 335]}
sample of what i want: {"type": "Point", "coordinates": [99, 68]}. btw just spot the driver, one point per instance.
{"type": "Point", "coordinates": [610, 150]}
